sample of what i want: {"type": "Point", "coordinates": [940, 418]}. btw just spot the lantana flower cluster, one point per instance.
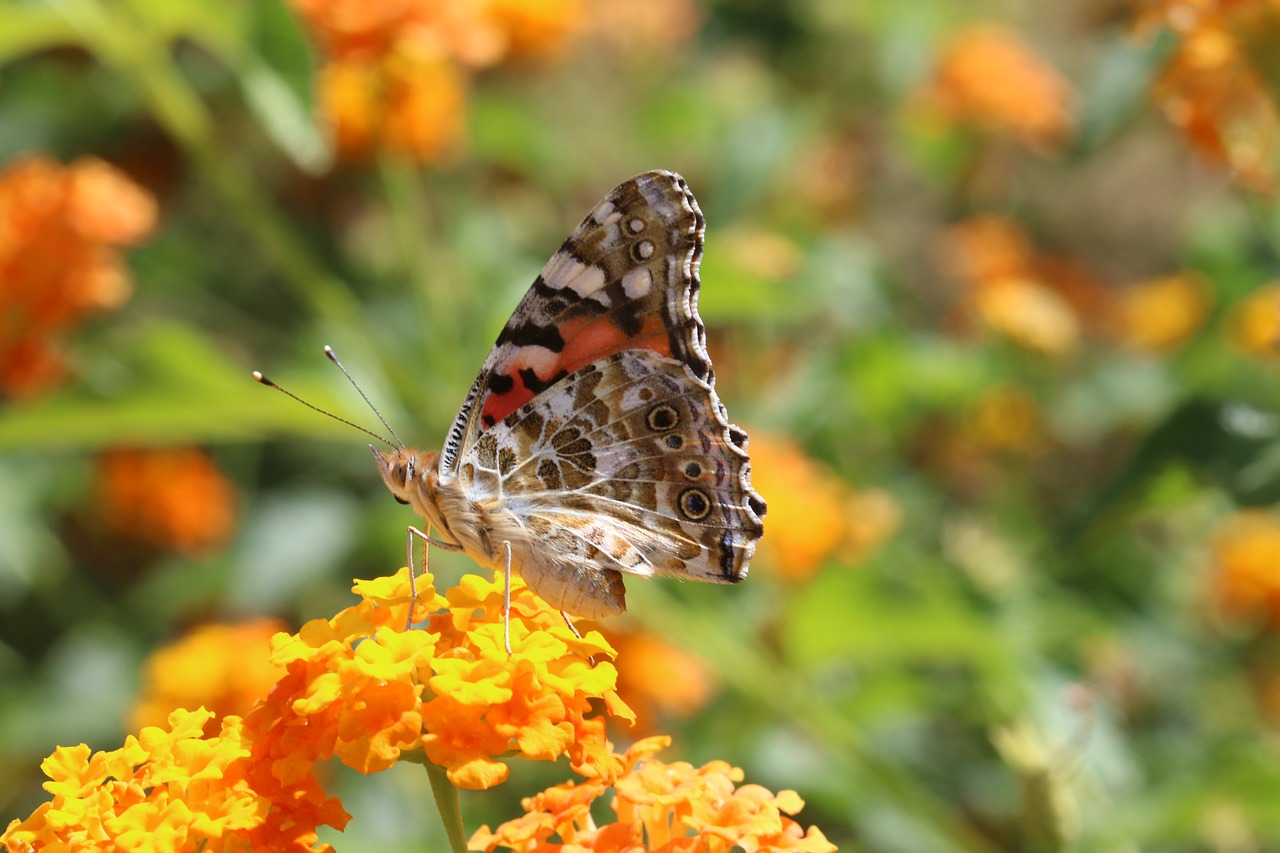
{"type": "Point", "coordinates": [363, 689]}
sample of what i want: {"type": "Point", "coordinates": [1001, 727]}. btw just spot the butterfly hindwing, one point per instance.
{"type": "Point", "coordinates": [630, 457]}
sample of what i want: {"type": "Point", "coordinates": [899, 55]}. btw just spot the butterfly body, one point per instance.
{"type": "Point", "coordinates": [592, 443]}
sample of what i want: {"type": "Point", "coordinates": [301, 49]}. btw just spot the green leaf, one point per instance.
{"type": "Point", "coordinates": [28, 28]}
{"type": "Point", "coordinates": [278, 79]}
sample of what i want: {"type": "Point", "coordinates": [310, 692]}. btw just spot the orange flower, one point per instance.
{"type": "Point", "coordinates": [172, 498]}
{"type": "Point", "coordinates": [1159, 314]}
{"type": "Point", "coordinates": [1039, 302]}
{"type": "Point", "coordinates": [1247, 566]}
{"type": "Point", "coordinates": [1254, 323]}
{"type": "Point", "coordinates": [1212, 88]}
{"type": "Point", "coordinates": [660, 679]}
{"type": "Point", "coordinates": [361, 688]}
{"type": "Point", "coordinates": [988, 78]}
{"type": "Point", "coordinates": [58, 229]}
{"type": "Point", "coordinates": [660, 807]}
{"type": "Point", "coordinates": [396, 71]}
{"type": "Point", "coordinates": [813, 513]}
{"type": "Point", "coordinates": [222, 667]}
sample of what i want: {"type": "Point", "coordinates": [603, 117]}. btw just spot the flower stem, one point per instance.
{"type": "Point", "coordinates": [447, 804]}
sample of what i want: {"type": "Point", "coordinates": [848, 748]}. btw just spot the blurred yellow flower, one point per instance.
{"type": "Point", "coordinates": [1253, 324]}
{"type": "Point", "coordinates": [1040, 302]}
{"type": "Point", "coordinates": [1214, 86]}
{"type": "Point", "coordinates": [1246, 562]}
{"type": "Point", "coordinates": [224, 668]}
{"type": "Point", "coordinates": [1160, 314]}
{"type": "Point", "coordinates": [660, 807]}
{"type": "Point", "coordinates": [59, 229]}
{"type": "Point", "coordinates": [986, 77]}
{"type": "Point", "coordinates": [167, 498]}
{"type": "Point", "coordinates": [655, 26]}
{"type": "Point", "coordinates": [813, 514]}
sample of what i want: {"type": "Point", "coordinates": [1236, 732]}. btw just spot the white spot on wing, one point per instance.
{"type": "Point", "coordinates": [637, 282]}
{"type": "Point", "coordinates": [563, 270]}
{"type": "Point", "coordinates": [602, 213]}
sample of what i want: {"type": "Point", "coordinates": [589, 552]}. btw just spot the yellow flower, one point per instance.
{"type": "Point", "coordinates": [988, 78]}
{"type": "Point", "coordinates": [361, 688]}
{"type": "Point", "coordinates": [169, 788]}
{"type": "Point", "coordinates": [1159, 314]}
{"type": "Point", "coordinates": [660, 807]}
{"type": "Point", "coordinates": [1254, 323]}
{"type": "Point", "coordinates": [222, 667]}
{"type": "Point", "coordinates": [59, 227]}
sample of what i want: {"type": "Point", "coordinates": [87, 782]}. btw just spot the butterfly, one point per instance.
{"type": "Point", "coordinates": [592, 444]}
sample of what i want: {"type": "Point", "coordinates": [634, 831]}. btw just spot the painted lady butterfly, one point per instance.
{"type": "Point", "coordinates": [592, 444]}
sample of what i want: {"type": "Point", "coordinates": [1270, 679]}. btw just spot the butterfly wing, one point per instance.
{"type": "Point", "coordinates": [627, 278]}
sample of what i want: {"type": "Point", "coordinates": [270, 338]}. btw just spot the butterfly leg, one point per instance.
{"type": "Point", "coordinates": [590, 658]}
{"type": "Point", "coordinates": [506, 600]}
{"type": "Point", "coordinates": [413, 579]}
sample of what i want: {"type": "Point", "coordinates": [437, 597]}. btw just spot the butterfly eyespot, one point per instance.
{"type": "Point", "coordinates": [643, 250]}
{"type": "Point", "coordinates": [693, 470]}
{"type": "Point", "coordinates": [636, 225]}
{"type": "Point", "coordinates": [694, 504]}
{"type": "Point", "coordinates": [662, 418]}
{"type": "Point", "coordinates": [675, 441]}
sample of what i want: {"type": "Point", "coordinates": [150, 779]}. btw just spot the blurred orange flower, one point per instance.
{"type": "Point", "coordinates": [413, 104]}
{"type": "Point", "coordinates": [1254, 323]}
{"type": "Point", "coordinates": [987, 78]}
{"type": "Point", "coordinates": [1246, 562]}
{"type": "Point", "coordinates": [1212, 88]}
{"type": "Point", "coordinates": [59, 229]}
{"type": "Point", "coordinates": [224, 668]}
{"type": "Point", "coordinates": [814, 514]}
{"type": "Point", "coordinates": [168, 498]}
{"type": "Point", "coordinates": [396, 71]}
{"type": "Point", "coordinates": [660, 679]}
{"type": "Point", "coordinates": [661, 807]}
{"type": "Point", "coordinates": [1040, 302]}
{"type": "Point", "coordinates": [1160, 314]}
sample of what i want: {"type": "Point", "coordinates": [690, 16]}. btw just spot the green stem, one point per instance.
{"type": "Point", "coordinates": [447, 804]}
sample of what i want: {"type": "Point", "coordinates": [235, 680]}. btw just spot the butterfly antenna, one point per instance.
{"type": "Point", "coordinates": [328, 350]}
{"type": "Point", "coordinates": [265, 381]}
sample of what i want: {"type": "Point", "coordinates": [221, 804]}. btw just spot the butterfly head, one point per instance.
{"type": "Point", "coordinates": [410, 475]}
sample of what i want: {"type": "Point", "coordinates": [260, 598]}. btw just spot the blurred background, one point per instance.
{"type": "Point", "coordinates": [994, 286]}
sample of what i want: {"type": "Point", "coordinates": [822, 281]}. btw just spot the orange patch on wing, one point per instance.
{"type": "Point", "coordinates": [585, 342]}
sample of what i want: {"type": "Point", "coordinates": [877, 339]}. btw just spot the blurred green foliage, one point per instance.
{"type": "Point", "coordinates": [1036, 660]}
